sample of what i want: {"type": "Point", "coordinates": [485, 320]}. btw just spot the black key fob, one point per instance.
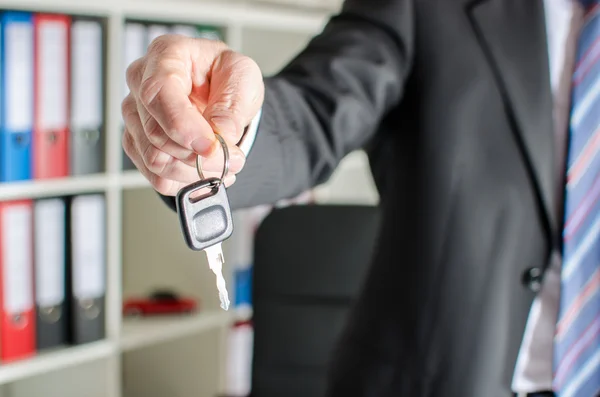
{"type": "Point", "coordinates": [206, 219]}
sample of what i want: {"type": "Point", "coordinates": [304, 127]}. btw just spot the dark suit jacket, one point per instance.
{"type": "Point", "coordinates": [452, 101]}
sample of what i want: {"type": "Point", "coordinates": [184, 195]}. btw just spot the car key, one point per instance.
{"type": "Point", "coordinates": [206, 221]}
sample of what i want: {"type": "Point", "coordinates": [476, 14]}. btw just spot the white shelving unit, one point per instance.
{"type": "Point", "coordinates": [56, 360]}
{"type": "Point", "coordinates": [138, 334]}
{"type": "Point", "coordinates": [238, 19]}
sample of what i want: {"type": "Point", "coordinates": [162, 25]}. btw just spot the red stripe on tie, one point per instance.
{"type": "Point", "coordinates": [589, 15]}
{"type": "Point", "coordinates": [585, 69]}
{"type": "Point", "coordinates": [584, 158]}
{"type": "Point", "coordinates": [590, 288]}
{"type": "Point", "coordinates": [573, 223]}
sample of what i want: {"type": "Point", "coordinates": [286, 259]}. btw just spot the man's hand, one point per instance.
{"type": "Point", "coordinates": [182, 92]}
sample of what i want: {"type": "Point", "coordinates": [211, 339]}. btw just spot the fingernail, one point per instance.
{"type": "Point", "coordinates": [229, 180]}
{"type": "Point", "coordinates": [204, 146]}
{"type": "Point", "coordinates": [236, 161]}
{"type": "Point", "coordinates": [224, 126]}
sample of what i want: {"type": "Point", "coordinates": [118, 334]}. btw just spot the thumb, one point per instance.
{"type": "Point", "coordinates": [236, 94]}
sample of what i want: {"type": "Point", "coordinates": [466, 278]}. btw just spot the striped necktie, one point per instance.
{"type": "Point", "coordinates": [577, 337]}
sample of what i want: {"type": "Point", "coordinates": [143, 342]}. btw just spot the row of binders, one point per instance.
{"type": "Point", "coordinates": [139, 34]}
{"type": "Point", "coordinates": [52, 90]}
{"type": "Point", "coordinates": [51, 94]}
{"type": "Point", "coordinates": [52, 273]}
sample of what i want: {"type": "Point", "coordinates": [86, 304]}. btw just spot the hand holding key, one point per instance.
{"type": "Point", "coordinates": [188, 98]}
{"type": "Point", "coordinates": [182, 92]}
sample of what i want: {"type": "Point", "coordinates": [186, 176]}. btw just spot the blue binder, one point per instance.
{"type": "Point", "coordinates": [243, 286]}
{"type": "Point", "coordinates": [16, 95]}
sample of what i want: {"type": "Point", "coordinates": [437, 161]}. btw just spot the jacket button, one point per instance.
{"type": "Point", "coordinates": [532, 278]}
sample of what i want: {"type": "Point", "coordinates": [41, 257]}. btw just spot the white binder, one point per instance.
{"type": "Point", "coordinates": [134, 47]}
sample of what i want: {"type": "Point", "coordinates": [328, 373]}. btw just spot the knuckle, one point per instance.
{"type": "Point", "coordinates": [173, 76]}
{"type": "Point", "coordinates": [160, 44]}
{"type": "Point", "coordinates": [128, 108]}
{"type": "Point", "coordinates": [239, 95]}
{"type": "Point", "coordinates": [127, 143]}
{"type": "Point", "coordinates": [155, 159]}
{"type": "Point", "coordinates": [149, 90]}
{"type": "Point", "coordinates": [154, 132]}
{"type": "Point", "coordinates": [228, 104]}
{"type": "Point", "coordinates": [152, 88]}
{"type": "Point", "coordinates": [132, 73]}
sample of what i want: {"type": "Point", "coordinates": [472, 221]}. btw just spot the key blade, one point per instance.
{"type": "Point", "coordinates": [214, 253]}
{"type": "Point", "coordinates": [216, 261]}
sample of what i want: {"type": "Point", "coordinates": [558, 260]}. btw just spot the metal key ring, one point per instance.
{"type": "Point", "coordinates": [225, 164]}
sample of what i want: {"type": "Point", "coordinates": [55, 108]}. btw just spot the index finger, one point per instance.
{"type": "Point", "coordinates": [165, 90]}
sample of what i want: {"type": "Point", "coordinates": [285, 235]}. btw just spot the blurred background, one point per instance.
{"type": "Point", "coordinates": [99, 294]}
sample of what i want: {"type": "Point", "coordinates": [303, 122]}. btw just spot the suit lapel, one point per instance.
{"type": "Point", "coordinates": [512, 33]}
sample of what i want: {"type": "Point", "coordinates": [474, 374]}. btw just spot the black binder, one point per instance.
{"type": "Point", "coordinates": [86, 268]}
{"type": "Point", "coordinates": [49, 276]}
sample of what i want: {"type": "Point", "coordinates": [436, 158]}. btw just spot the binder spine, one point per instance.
{"type": "Point", "coordinates": [88, 65]}
{"type": "Point", "coordinates": [17, 95]}
{"type": "Point", "coordinates": [51, 96]}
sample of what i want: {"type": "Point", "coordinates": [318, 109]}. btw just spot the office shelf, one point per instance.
{"type": "Point", "coordinates": [247, 13]}
{"type": "Point", "coordinates": [56, 359]}
{"type": "Point", "coordinates": [132, 179]}
{"type": "Point", "coordinates": [141, 332]}
{"type": "Point", "coordinates": [54, 187]}
{"type": "Point", "coordinates": [226, 12]}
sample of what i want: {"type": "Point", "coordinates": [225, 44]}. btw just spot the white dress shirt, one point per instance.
{"type": "Point", "coordinates": [533, 370]}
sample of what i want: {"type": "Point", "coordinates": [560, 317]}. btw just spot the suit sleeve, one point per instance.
{"type": "Point", "coordinates": [327, 102]}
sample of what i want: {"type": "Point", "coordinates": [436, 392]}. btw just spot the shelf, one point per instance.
{"type": "Point", "coordinates": [223, 12]}
{"type": "Point", "coordinates": [247, 14]}
{"type": "Point", "coordinates": [54, 187]}
{"type": "Point", "coordinates": [140, 332]}
{"type": "Point", "coordinates": [55, 360]}
{"type": "Point", "coordinates": [69, 6]}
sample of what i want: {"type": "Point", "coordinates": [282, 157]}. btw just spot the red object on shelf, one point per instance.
{"type": "Point", "coordinates": [52, 90]}
{"type": "Point", "coordinates": [159, 303]}
{"type": "Point", "coordinates": [17, 309]}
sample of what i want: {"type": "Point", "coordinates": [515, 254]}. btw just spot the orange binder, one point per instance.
{"type": "Point", "coordinates": [51, 95]}
{"type": "Point", "coordinates": [17, 306]}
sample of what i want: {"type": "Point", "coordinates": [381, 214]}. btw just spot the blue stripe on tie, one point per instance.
{"type": "Point", "coordinates": [586, 104]}
{"type": "Point", "coordinates": [583, 248]}
{"type": "Point", "coordinates": [581, 201]}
